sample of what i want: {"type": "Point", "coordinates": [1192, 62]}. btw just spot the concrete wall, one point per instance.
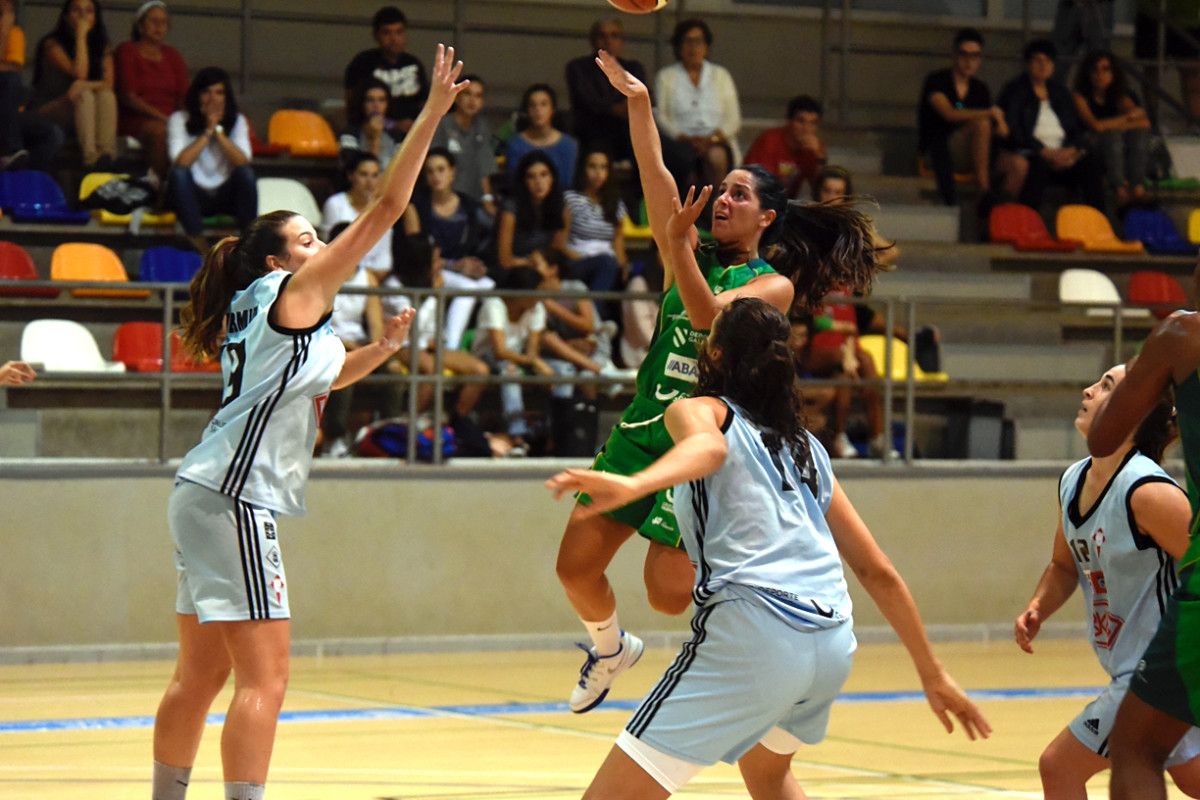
{"type": "Point", "coordinates": [85, 557]}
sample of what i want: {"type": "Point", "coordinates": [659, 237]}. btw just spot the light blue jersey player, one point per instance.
{"type": "Point", "coordinates": [1122, 524]}
{"type": "Point", "coordinates": [767, 525]}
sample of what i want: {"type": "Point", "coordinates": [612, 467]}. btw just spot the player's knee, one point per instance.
{"type": "Point", "coordinates": [573, 568]}
{"type": "Point", "coordinates": [1050, 768]}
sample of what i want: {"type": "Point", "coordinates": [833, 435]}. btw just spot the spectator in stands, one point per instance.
{"type": "Point", "coordinates": [467, 136]}
{"type": "Point", "coordinates": [1047, 141]}
{"type": "Point", "coordinates": [508, 337]}
{"type": "Point", "coordinates": [27, 139]}
{"type": "Point", "coordinates": [698, 102]}
{"type": "Point", "coordinates": [366, 114]}
{"type": "Point", "coordinates": [832, 183]}
{"type": "Point", "coordinates": [402, 72]}
{"type": "Point", "coordinates": [533, 217]}
{"type": "Point", "coordinates": [344, 207]}
{"type": "Point", "coordinates": [601, 113]}
{"type": "Point", "coordinates": [956, 119]}
{"type": "Point", "coordinates": [152, 81]}
{"type": "Point", "coordinates": [818, 400]}
{"type": "Point", "coordinates": [571, 342]}
{"type": "Point", "coordinates": [639, 317]}
{"type": "Point", "coordinates": [73, 81]}
{"type": "Point", "coordinates": [1180, 17]}
{"type": "Point", "coordinates": [1085, 25]}
{"type": "Point", "coordinates": [209, 145]}
{"type": "Point", "coordinates": [794, 152]}
{"type": "Point", "coordinates": [16, 373]}
{"type": "Point", "coordinates": [593, 216]}
{"type": "Point", "coordinates": [1111, 110]}
{"type": "Point", "coordinates": [535, 122]}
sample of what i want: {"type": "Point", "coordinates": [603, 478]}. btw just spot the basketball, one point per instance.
{"type": "Point", "coordinates": [638, 6]}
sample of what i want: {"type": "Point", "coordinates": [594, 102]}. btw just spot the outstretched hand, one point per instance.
{"type": "Point", "coordinates": [946, 698]}
{"type": "Point", "coordinates": [395, 330]}
{"type": "Point", "coordinates": [607, 491]}
{"type": "Point", "coordinates": [619, 77]}
{"type": "Point", "coordinates": [16, 373]}
{"type": "Point", "coordinates": [443, 85]}
{"type": "Point", "coordinates": [1026, 628]}
{"type": "Point", "coordinates": [684, 216]}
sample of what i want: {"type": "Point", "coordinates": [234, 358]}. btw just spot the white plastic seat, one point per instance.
{"type": "Point", "coordinates": [276, 194]}
{"type": "Point", "coordinates": [61, 345]}
{"type": "Point", "coordinates": [1083, 286]}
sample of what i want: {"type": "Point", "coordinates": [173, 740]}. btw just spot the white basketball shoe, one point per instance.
{"type": "Point", "coordinates": [598, 672]}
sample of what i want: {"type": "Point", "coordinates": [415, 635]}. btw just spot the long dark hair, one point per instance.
{"type": "Point", "coordinates": [1158, 430]}
{"type": "Point", "coordinates": [230, 266]}
{"type": "Point", "coordinates": [824, 247]}
{"type": "Point", "coordinates": [747, 359]}
{"type": "Point", "coordinates": [206, 77]}
{"type": "Point", "coordinates": [358, 96]}
{"type": "Point", "coordinates": [610, 192]}
{"type": "Point", "coordinates": [1083, 76]}
{"type": "Point", "coordinates": [523, 109]}
{"type": "Point", "coordinates": [64, 35]}
{"type": "Point", "coordinates": [548, 215]}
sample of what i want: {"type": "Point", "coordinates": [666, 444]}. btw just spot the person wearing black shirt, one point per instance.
{"type": "Point", "coordinates": [955, 118]}
{"type": "Point", "coordinates": [404, 74]}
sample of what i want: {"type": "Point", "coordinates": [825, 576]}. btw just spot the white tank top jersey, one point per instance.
{"type": "Point", "coordinates": [258, 447]}
{"type": "Point", "coordinates": [1126, 578]}
{"type": "Point", "coordinates": [756, 529]}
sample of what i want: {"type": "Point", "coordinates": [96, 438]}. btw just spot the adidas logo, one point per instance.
{"type": "Point", "coordinates": [679, 337]}
{"type": "Point", "coordinates": [1092, 725]}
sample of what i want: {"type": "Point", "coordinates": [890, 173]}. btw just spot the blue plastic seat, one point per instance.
{"type": "Point", "coordinates": [1154, 228]}
{"type": "Point", "coordinates": [168, 265]}
{"type": "Point", "coordinates": [33, 196]}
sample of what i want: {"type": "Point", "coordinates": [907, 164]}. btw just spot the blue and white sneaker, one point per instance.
{"type": "Point", "coordinates": [598, 672]}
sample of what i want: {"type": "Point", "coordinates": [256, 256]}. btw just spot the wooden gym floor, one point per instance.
{"type": "Point", "coordinates": [492, 725]}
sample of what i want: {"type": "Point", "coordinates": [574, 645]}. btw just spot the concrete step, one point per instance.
{"type": "Point", "coordinates": [952, 258]}
{"type": "Point", "coordinates": [1185, 155]}
{"type": "Point", "coordinates": [1025, 362]}
{"type": "Point", "coordinates": [945, 285]}
{"type": "Point", "coordinates": [912, 222]}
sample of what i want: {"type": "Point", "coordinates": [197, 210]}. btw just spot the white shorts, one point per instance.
{"type": "Point", "coordinates": [746, 677]}
{"type": "Point", "coordinates": [228, 557]}
{"type": "Point", "coordinates": [1095, 723]}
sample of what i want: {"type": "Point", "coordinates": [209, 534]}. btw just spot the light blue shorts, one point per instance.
{"type": "Point", "coordinates": [744, 674]}
{"type": "Point", "coordinates": [1094, 724]}
{"type": "Point", "coordinates": [227, 556]}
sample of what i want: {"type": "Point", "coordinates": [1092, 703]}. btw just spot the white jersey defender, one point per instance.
{"type": "Point", "coordinates": [258, 447]}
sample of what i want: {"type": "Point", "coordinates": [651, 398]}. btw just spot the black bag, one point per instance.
{"type": "Point", "coordinates": [1159, 166]}
{"type": "Point", "coordinates": [574, 424]}
{"type": "Point", "coordinates": [121, 195]}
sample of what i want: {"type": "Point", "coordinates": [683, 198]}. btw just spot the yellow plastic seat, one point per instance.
{"type": "Point", "coordinates": [1193, 228]}
{"type": "Point", "coordinates": [1087, 225]}
{"type": "Point", "coordinates": [78, 261]}
{"type": "Point", "coordinates": [94, 180]}
{"type": "Point", "coordinates": [631, 230]}
{"type": "Point", "coordinates": [303, 133]}
{"type": "Point", "coordinates": [875, 345]}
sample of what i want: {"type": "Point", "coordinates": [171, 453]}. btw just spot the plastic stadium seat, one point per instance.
{"type": "Point", "coordinates": [61, 345]}
{"type": "Point", "coordinates": [1194, 226]}
{"type": "Point", "coordinates": [1154, 288]}
{"type": "Point", "coordinates": [875, 346]}
{"type": "Point", "coordinates": [138, 345]}
{"type": "Point", "coordinates": [1087, 225]}
{"type": "Point", "coordinates": [16, 265]}
{"type": "Point", "coordinates": [275, 194]}
{"type": "Point", "coordinates": [632, 231]}
{"type": "Point", "coordinates": [1023, 228]}
{"type": "Point", "coordinates": [168, 265]}
{"type": "Point", "coordinates": [259, 148]}
{"type": "Point", "coordinates": [33, 196]}
{"type": "Point", "coordinates": [182, 361]}
{"type": "Point", "coordinates": [1084, 286]}
{"type": "Point", "coordinates": [94, 180]}
{"type": "Point", "coordinates": [303, 133]}
{"type": "Point", "coordinates": [76, 261]}
{"type": "Point", "coordinates": [1154, 228]}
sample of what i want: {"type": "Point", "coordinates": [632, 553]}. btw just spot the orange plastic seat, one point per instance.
{"type": "Point", "coordinates": [77, 261]}
{"type": "Point", "coordinates": [17, 265]}
{"type": "Point", "coordinates": [1087, 225]}
{"type": "Point", "coordinates": [259, 148]}
{"type": "Point", "coordinates": [1023, 228]}
{"type": "Point", "coordinates": [182, 361]}
{"type": "Point", "coordinates": [303, 133]}
{"type": "Point", "coordinates": [1154, 288]}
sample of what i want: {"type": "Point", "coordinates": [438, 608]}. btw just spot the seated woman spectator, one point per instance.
{"type": "Point", "coordinates": [209, 145]}
{"type": "Point", "coordinates": [27, 139]}
{"type": "Point", "coordinates": [698, 102]}
{"type": "Point", "coordinates": [832, 183]}
{"type": "Point", "coordinates": [509, 338]}
{"type": "Point", "coordinates": [152, 81]}
{"type": "Point", "coordinates": [363, 177]}
{"type": "Point", "coordinates": [1047, 142]}
{"type": "Point", "coordinates": [532, 218]}
{"type": "Point", "coordinates": [367, 115]}
{"type": "Point", "coordinates": [594, 212]}
{"type": "Point", "coordinates": [818, 400]}
{"type": "Point", "coordinates": [1108, 107]}
{"type": "Point", "coordinates": [538, 133]}
{"type": "Point", "coordinates": [73, 81]}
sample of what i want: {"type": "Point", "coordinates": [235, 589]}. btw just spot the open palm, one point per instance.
{"type": "Point", "coordinates": [619, 77]}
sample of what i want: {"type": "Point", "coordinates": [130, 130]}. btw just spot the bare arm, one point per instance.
{"type": "Point", "coordinates": [1163, 513]}
{"type": "Point", "coordinates": [942, 105]}
{"type": "Point", "coordinates": [504, 243]}
{"type": "Point", "coordinates": [374, 310]}
{"type": "Point", "coordinates": [16, 373]}
{"type": "Point", "coordinates": [1057, 583]}
{"type": "Point", "coordinates": [582, 318]}
{"type": "Point", "coordinates": [362, 362]}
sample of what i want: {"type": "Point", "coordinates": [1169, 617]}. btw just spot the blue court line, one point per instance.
{"type": "Point", "coordinates": [498, 709]}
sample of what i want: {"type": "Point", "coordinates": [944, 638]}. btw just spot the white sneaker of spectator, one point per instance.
{"type": "Point", "coordinates": [843, 447]}
{"type": "Point", "coordinates": [611, 370]}
{"type": "Point", "coordinates": [882, 448]}
{"type": "Point", "coordinates": [598, 672]}
{"type": "Point", "coordinates": [337, 449]}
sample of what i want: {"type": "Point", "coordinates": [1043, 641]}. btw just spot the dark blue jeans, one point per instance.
{"type": "Point", "coordinates": [600, 273]}
{"type": "Point", "coordinates": [26, 130]}
{"type": "Point", "coordinates": [237, 196]}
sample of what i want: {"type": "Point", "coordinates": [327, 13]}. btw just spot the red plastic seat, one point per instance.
{"type": "Point", "coordinates": [182, 361]}
{"type": "Point", "coordinates": [138, 345]}
{"type": "Point", "coordinates": [1023, 228]}
{"type": "Point", "coordinates": [1154, 288]}
{"type": "Point", "coordinates": [259, 148]}
{"type": "Point", "coordinates": [17, 265]}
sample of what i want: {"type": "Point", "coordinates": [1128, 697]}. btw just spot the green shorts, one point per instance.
{"type": "Point", "coordinates": [1168, 676]}
{"type": "Point", "coordinates": [637, 441]}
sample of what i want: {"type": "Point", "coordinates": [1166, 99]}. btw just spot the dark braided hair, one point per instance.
{"type": "Point", "coordinates": [1158, 430]}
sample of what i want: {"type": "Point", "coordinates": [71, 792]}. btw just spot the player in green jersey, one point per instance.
{"type": "Point", "coordinates": [811, 250]}
{"type": "Point", "coordinates": [1163, 700]}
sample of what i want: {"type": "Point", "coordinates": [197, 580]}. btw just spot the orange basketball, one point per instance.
{"type": "Point", "coordinates": [638, 6]}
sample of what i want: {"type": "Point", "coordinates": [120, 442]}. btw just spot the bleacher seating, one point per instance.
{"type": "Point", "coordinates": [94, 180]}
{"type": "Point", "coordinates": [275, 194]}
{"type": "Point", "coordinates": [1154, 228]}
{"type": "Point", "coordinates": [303, 133]}
{"type": "Point", "coordinates": [81, 261]}
{"type": "Point", "coordinates": [16, 265]}
{"type": "Point", "coordinates": [1079, 286]}
{"type": "Point", "coordinates": [168, 265]}
{"type": "Point", "coordinates": [875, 345]}
{"type": "Point", "coordinates": [33, 196]}
{"type": "Point", "coordinates": [1155, 288]}
{"type": "Point", "coordinates": [1090, 227]}
{"type": "Point", "coordinates": [139, 346]}
{"type": "Point", "coordinates": [62, 345]}
{"type": "Point", "coordinates": [1023, 228]}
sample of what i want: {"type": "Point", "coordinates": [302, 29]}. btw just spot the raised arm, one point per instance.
{"type": "Point", "coordinates": [1057, 583]}
{"type": "Point", "coordinates": [310, 293]}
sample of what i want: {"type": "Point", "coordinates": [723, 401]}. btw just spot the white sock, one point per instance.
{"type": "Point", "coordinates": [170, 783]}
{"type": "Point", "coordinates": [244, 791]}
{"type": "Point", "coordinates": [606, 635]}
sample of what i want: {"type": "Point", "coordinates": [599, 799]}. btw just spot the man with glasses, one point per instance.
{"type": "Point", "coordinates": [956, 119]}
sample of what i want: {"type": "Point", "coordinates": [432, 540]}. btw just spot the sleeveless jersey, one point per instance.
{"type": "Point", "coordinates": [1187, 412]}
{"type": "Point", "coordinates": [258, 447]}
{"type": "Point", "coordinates": [669, 370]}
{"type": "Point", "coordinates": [756, 530]}
{"type": "Point", "coordinates": [1126, 578]}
